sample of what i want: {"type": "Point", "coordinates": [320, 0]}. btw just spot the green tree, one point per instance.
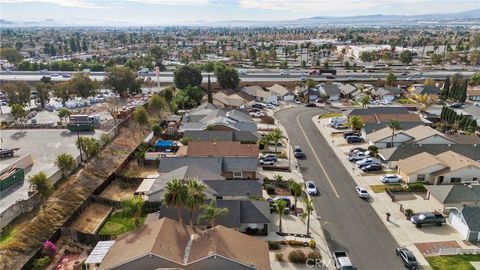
{"type": "Point", "coordinates": [11, 55]}
{"type": "Point", "coordinates": [474, 79]}
{"type": "Point", "coordinates": [366, 56]}
{"type": "Point", "coordinates": [227, 77]}
{"type": "Point", "coordinates": [209, 91]}
{"type": "Point", "coordinates": [195, 197]}
{"type": "Point", "coordinates": [66, 163]}
{"type": "Point", "coordinates": [89, 145]}
{"type": "Point", "coordinates": [156, 104]}
{"type": "Point", "coordinates": [472, 127]}
{"type": "Point", "coordinates": [252, 55]}
{"type": "Point", "coordinates": [210, 213]}
{"type": "Point", "coordinates": [394, 125]}
{"type": "Point", "coordinates": [141, 116]}
{"type": "Point", "coordinates": [346, 65]}
{"type": "Point", "coordinates": [280, 207]}
{"type": "Point", "coordinates": [326, 65]}
{"type": "Point", "coordinates": [406, 57]}
{"type": "Point", "coordinates": [43, 90]}
{"type": "Point", "coordinates": [304, 64]}
{"type": "Point", "coordinates": [295, 190]}
{"type": "Point", "coordinates": [310, 83]}
{"type": "Point", "coordinates": [18, 112]}
{"type": "Point", "coordinates": [122, 80]}
{"type": "Point", "coordinates": [132, 208]}
{"type": "Point", "coordinates": [436, 59]}
{"type": "Point", "coordinates": [355, 122]}
{"type": "Point", "coordinates": [63, 91]}
{"type": "Point", "coordinates": [40, 183]}
{"type": "Point", "coordinates": [63, 114]}
{"type": "Point", "coordinates": [391, 78]}
{"type": "Point", "coordinates": [83, 86]}
{"type": "Point", "coordinates": [17, 93]}
{"type": "Point", "coordinates": [276, 136]}
{"type": "Point", "coordinates": [175, 196]}
{"type": "Point", "coordinates": [373, 149]}
{"type": "Point", "coordinates": [307, 211]}
{"type": "Point", "coordinates": [189, 97]}
{"type": "Point", "coordinates": [187, 76]}
{"type": "Point", "coordinates": [364, 101]}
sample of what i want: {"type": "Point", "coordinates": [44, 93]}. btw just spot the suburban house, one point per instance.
{"type": "Point", "coordinates": [466, 220]}
{"type": "Point", "coordinates": [473, 93]}
{"type": "Point", "coordinates": [311, 95]}
{"type": "Point", "coordinates": [232, 99]}
{"type": "Point", "coordinates": [391, 156]}
{"type": "Point", "coordinates": [387, 93]}
{"type": "Point", "coordinates": [246, 216]}
{"type": "Point", "coordinates": [210, 117]}
{"type": "Point", "coordinates": [420, 135]}
{"type": "Point", "coordinates": [445, 168]}
{"type": "Point", "coordinates": [228, 167]}
{"type": "Point", "coordinates": [445, 197]}
{"type": "Point", "coordinates": [346, 90]}
{"type": "Point", "coordinates": [218, 149]}
{"type": "Point", "coordinates": [259, 94]}
{"type": "Point", "coordinates": [222, 135]}
{"type": "Point", "coordinates": [375, 126]}
{"type": "Point", "coordinates": [420, 89]}
{"type": "Point", "coordinates": [473, 111]}
{"type": "Point", "coordinates": [331, 90]}
{"type": "Point", "coordinates": [168, 244]}
{"type": "Point", "coordinates": [281, 92]}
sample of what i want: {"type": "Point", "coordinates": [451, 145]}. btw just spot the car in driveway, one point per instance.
{"type": "Point", "coordinates": [407, 257]}
{"type": "Point", "coordinates": [311, 105]}
{"type": "Point", "coordinates": [280, 198]}
{"type": "Point", "coordinates": [354, 139]}
{"type": "Point", "coordinates": [362, 192]}
{"type": "Point", "coordinates": [350, 133]}
{"type": "Point", "coordinates": [371, 168]}
{"type": "Point", "coordinates": [269, 106]}
{"type": "Point", "coordinates": [311, 188]}
{"type": "Point", "coordinates": [367, 161]}
{"type": "Point", "coordinates": [357, 149]}
{"type": "Point", "coordinates": [256, 114]}
{"type": "Point", "coordinates": [258, 106]}
{"type": "Point", "coordinates": [391, 178]}
{"type": "Point", "coordinates": [268, 156]}
{"type": "Point", "coordinates": [427, 218]}
{"type": "Point", "coordinates": [357, 156]}
{"type": "Point", "coordinates": [266, 161]}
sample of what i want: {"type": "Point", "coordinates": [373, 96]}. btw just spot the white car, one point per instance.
{"type": "Point", "coordinates": [391, 178]}
{"type": "Point", "coordinates": [269, 106]}
{"type": "Point", "coordinates": [351, 78]}
{"type": "Point", "coordinates": [359, 156]}
{"type": "Point", "coordinates": [297, 101]}
{"type": "Point", "coordinates": [367, 161]}
{"type": "Point", "coordinates": [311, 188]}
{"type": "Point", "coordinates": [256, 114]}
{"type": "Point", "coordinates": [362, 192]}
{"type": "Point", "coordinates": [266, 161]}
{"type": "Point", "coordinates": [284, 73]}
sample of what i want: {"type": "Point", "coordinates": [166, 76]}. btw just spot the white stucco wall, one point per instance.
{"type": "Point", "coordinates": [467, 174]}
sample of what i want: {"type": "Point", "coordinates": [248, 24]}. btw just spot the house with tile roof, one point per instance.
{"type": "Point", "coordinates": [259, 94]}
{"type": "Point", "coordinates": [281, 92]}
{"type": "Point", "coordinates": [232, 99]}
{"type": "Point", "coordinates": [420, 134]}
{"type": "Point", "coordinates": [445, 168]}
{"type": "Point", "coordinates": [166, 243]}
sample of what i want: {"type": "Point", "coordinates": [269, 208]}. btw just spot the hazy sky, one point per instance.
{"type": "Point", "coordinates": [155, 12]}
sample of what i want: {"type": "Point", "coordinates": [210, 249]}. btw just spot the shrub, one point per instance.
{"type": "Point", "coordinates": [279, 257]}
{"type": "Point", "coordinates": [42, 262]}
{"type": "Point", "coordinates": [49, 249]}
{"type": "Point", "coordinates": [297, 256]}
{"type": "Point", "coordinates": [408, 212]}
{"type": "Point", "coordinates": [295, 243]}
{"type": "Point", "coordinates": [312, 244]}
{"type": "Point", "coordinates": [282, 155]}
{"type": "Point", "coordinates": [273, 245]}
{"type": "Point", "coordinates": [105, 139]}
{"type": "Point", "coordinates": [157, 130]}
{"type": "Point", "coordinates": [397, 189]}
{"type": "Point", "coordinates": [416, 187]}
{"type": "Point", "coordinates": [270, 189]}
{"type": "Point", "coordinates": [267, 120]}
{"type": "Point", "coordinates": [315, 255]}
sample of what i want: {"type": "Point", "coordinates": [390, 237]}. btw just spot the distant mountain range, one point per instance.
{"type": "Point", "coordinates": [470, 17]}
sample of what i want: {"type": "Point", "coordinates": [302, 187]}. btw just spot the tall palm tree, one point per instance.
{"type": "Point", "coordinates": [281, 205]}
{"type": "Point", "coordinates": [132, 208]}
{"type": "Point", "coordinates": [276, 136]}
{"type": "Point", "coordinates": [308, 203]}
{"type": "Point", "coordinates": [195, 196]}
{"type": "Point", "coordinates": [355, 122]}
{"type": "Point", "coordinates": [394, 125]}
{"type": "Point", "coordinates": [296, 190]}
{"type": "Point", "coordinates": [210, 213]}
{"type": "Point", "coordinates": [364, 101]}
{"type": "Point", "coordinates": [174, 196]}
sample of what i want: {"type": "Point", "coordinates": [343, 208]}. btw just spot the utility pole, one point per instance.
{"type": "Point", "coordinates": [157, 72]}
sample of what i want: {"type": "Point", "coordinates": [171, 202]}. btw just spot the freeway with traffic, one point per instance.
{"type": "Point", "coordinates": [349, 223]}
{"type": "Point", "coordinates": [253, 76]}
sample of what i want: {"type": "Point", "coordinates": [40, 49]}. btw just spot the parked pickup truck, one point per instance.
{"type": "Point", "coordinates": [342, 261]}
{"type": "Point", "coordinates": [427, 219]}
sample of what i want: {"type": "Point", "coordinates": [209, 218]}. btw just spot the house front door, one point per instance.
{"type": "Point", "coordinates": [440, 180]}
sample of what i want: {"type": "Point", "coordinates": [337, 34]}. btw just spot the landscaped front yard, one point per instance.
{"type": "Point", "coordinates": [454, 262]}
{"type": "Point", "coordinates": [381, 188]}
{"type": "Point", "coordinates": [117, 224]}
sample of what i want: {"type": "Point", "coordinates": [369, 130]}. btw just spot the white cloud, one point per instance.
{"type": "Point", "coordinates": [65, 3]}
{"type": "Point", "coordinates": [172, 2]}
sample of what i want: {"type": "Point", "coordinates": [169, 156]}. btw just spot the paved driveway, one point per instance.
{"type": "Point", "coordinates": [349, 223]}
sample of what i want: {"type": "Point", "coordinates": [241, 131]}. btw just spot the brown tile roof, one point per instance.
{"type": "Point", "coordinates": [373, 118]}
{"type": "Point", "coordinates": [421, 132]}
{"type": "Point", "coordinates": [418, 162]}
{"type": "Point", "coordinates": [221, 149]}
{"type": "Point", "coordinates": [456, 161]}
{"type": "Point", "coordinates": [230, 244]}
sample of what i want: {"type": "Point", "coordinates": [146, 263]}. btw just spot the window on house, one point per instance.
{"type": "Point", "coordinates": [455, 180]}
{"type": "Point", "coordinates": [421, 177]}
{"type": "Point", "coordinates": [237, 175]}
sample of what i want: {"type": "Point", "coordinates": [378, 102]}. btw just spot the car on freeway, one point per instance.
{"type": "Point", "coordinates": [303, 78]}
{"type": "Point", "coordinates": [409, 79]}
{"type": "Point", "coordinates": [418, 73]}
{"type": "Point", "coordinates": [311, 105]}
{"type": "Point", "coordinates": [371, 168]}
{"type": "Point", "coordinates": [266, 161]}
{"type": "Point", "coordinates": [268, 156]}
{"type": "Point", "coordinates": [54, 75]}
{"type": "Point", "coordinates": [404, 73]}
{"type": "Point", "coordinates": [351, 78]}
{"type": "Point", "coordinates": [284, 73]}
{"type": "Point", "coordinates": [354, 139]}
{"type": "Point", "coordinates": [256, 114]}
{"type": "Point", "coordinates": [311, 188]}
{"type": "Point", "coordinates": [330, 77]}
{"type": "Point", "coordinates": [407, 257]}
{"type": "Point", "coordinates": [391, 178]}
{"type": "Point", "coordinates": [66, 75]}
{"type": "Point", "coordinates": [367, 161]}
{"type": "Point", "coordinates": [44, 71]}
{"type": "Point", "coordinates": [362, 192]}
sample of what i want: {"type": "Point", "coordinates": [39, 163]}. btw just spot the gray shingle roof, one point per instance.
{"type": "Point", "coordinates": [408, 150]}
{"type": "Point", "coordinates": [455, 194]}
{"type": "Point", "coordinates": [251, 188]}
{"type": "Point", "coordinates": [378, 110]}
{"type": "Point", "coordinates": [231, 164]}
{"type": "Point", "coordinates": [372, 127]}
{"type": "Point", "coordinates": [472, 217]}
{"type": "Point", "coordinates": [427, 89]}
{"type": "Point", "coordinates": [212, 164]}
{"type": "Point", "coordinates": [221, 135]}
{"type": "Point", "coordinates": [330, 89]}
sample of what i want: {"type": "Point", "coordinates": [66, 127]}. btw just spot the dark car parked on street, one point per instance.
{"type": "Point", "coordinates": [407, 258]}
{"type": "Point", "coordinates": [311, 105]}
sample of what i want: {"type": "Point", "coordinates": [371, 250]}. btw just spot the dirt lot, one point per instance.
{"type": "Point", "coordinates": [91, 217]}
{"type": "Point", "coordinates": [119, 191]}
{"type": "Point", "coordinates": [133, 169]}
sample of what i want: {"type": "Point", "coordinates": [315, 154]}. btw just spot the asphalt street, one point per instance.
{"type": "Point", "coordinates": [349, 223]}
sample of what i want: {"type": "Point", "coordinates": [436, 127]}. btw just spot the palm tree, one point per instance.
{"type": "Point", "coordinates": [307, 211]}
{"type": "Point", "coordinates": [195, 196]}
{"type": "Point", "coordinates": [426, 101]}
{"type": "Point", "coordinates": [210, 213]}
{"type": "Point", "coordinates": [276, 136]}
{"type": "Point", "coordinates": [132, 208]}
{"type": "Point", "coordinates": [174, 196]}
{"type": "Point", "coordinates": [295, 189]}
{"type": "Point", "coordinates": [394, 125]}
{"type": "Point", "coordinates": [364, 101]}
{"type": "Point", "coordinates": [281, 205]}
{"type": "Point", "coordinates": [278, 178]}
{"type": "Point", "coordinates": [355, 122]}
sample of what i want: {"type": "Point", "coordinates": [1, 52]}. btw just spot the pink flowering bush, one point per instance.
{"type": "Point", "coordinates": [49, 248]}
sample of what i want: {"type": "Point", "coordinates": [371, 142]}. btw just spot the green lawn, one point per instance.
{"type": "Point", "coordinates": [7, 234]}
{"type": "Point", "coordinates": [454, 262]}
{"type": "Point", "coordinates": [381, 188]}
{"type": "Point", "coordinates": [116, 225]}
{"type": "Point", "coordinates": [329, 115]}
